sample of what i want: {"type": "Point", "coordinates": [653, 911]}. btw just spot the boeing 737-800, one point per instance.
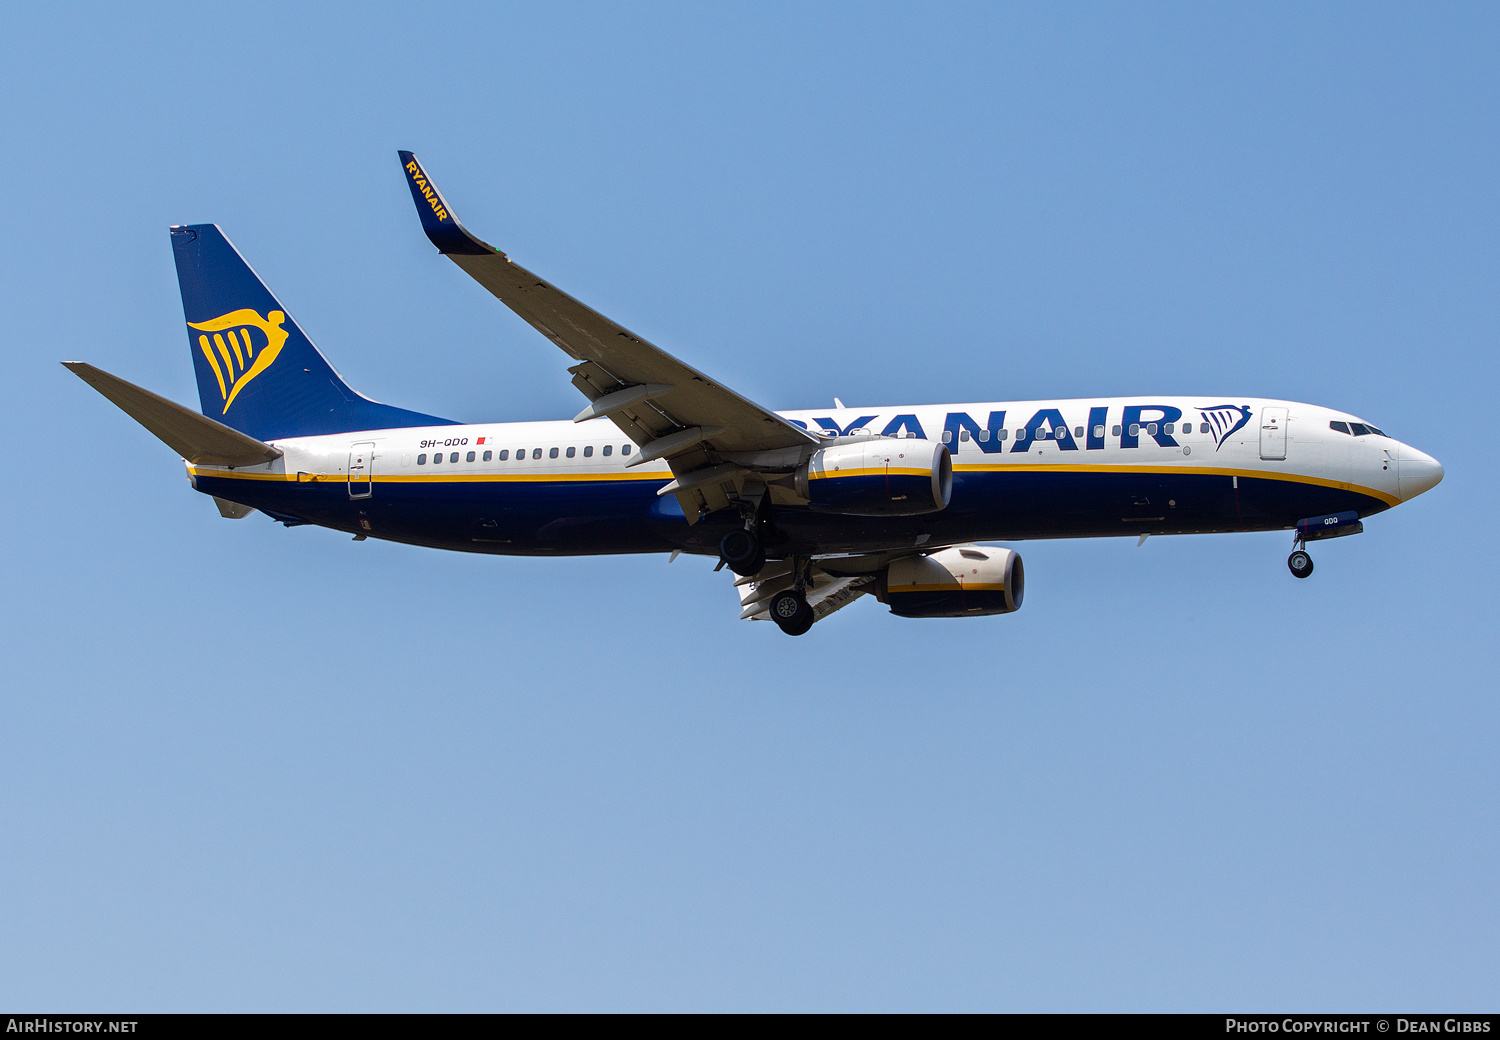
{"type": "Point", "coordinates": [810, 510]}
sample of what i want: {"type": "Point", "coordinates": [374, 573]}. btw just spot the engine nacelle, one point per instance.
{"type": "Point", "coordinates": [878, 476]}
{"type": "Point", "coordinates": [964, 581]}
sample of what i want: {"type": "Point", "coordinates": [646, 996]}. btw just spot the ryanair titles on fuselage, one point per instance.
{"type": "Point", "coordinates": [1159, 422]}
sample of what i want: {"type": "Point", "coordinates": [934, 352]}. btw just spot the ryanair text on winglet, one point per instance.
{"type": "Point", "coordinates": [419, 178]}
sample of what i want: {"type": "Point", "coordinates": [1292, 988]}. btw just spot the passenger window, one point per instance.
{"type": "Point", "coordinates": [1078, 431]}
{"type": "Point", "coordinates": [1020, 435]}
{"type": "Point", "coordinates": [963, 435]}
{"type": "Point", "coordinates": [572, 452]}
{"type": "Point", "coordinates": [437, 457]}
{"type": "Point", "coordinates": [1167, 428]}
{"type": "Point", "coordinates": [1117, 430]}
{"type": "Point", "coordinates": [1099, 432]}
{"type": "Point", "coordinates": [588, 451]}
{"type": "Point", "coordinates": [488, 456]}
{"type": "Point", "coordinates": [552, 453]}
{"type": "Point", "coordinates": [504, 454]}
{"type": "Point", "coordinates": [1339, 426]}
{"type": "Point", "coordinates": [1203, 427]}
{"type": "Point", "coordinates": [470, 457]}
{"type": "Point", "coordinates": [453, 456]}
{"type": "Point", "coordinates": [984, 436]}
{"type": "Point", "coordinates": [608, 448]}
{"type": "Point", "coordinates": [1135, 429]}
{"type": "Point", "coordinates": [536, 453]}
{"type": "Point", "coordinates": [421, 460]}
{"type": "Point", "coordinates": [1151, 429]}
{"type": "Point", "coordinates": [625, 449]}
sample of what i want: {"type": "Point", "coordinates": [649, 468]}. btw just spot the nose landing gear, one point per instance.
{"type": "Point", "coordinates": [1299, 563]}
{"type": "Point", "coordinates": [1315, 529]}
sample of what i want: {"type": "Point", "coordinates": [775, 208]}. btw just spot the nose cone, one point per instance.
{"type": "Point", "coordinates": [1416, 472]}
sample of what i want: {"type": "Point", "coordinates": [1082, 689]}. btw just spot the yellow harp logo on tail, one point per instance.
{"type": "Point", "coordinates": [233, 353]}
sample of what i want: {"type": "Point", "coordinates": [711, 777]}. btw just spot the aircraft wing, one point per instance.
{"type": "Point", "coordinates": [706, 432]}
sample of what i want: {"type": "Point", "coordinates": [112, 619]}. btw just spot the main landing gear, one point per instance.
{"type": "Point", "coordinates": [790, 611]}
{"type": "Point", "coordinates": [742, 551]}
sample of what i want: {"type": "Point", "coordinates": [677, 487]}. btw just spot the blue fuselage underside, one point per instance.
{"type": "Point", "coordinates": [581, 517]}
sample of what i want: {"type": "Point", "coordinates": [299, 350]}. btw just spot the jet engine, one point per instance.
{"type": "Point", "coordinates": [964, 581]}
{"type": "Point", "coordinates": [878, 476]}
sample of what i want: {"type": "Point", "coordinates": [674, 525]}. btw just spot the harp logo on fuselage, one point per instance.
{"type": "Point", "coordinates": [239, 346]}
{"type": "Point", "coordinates": [1224, 420]}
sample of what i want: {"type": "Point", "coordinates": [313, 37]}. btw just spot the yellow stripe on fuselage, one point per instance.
{"type": "Point", "coordinates": [305, 477]}
{"type": "Point", "coordinates": [450, 477]}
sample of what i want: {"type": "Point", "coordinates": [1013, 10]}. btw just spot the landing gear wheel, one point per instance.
{"type": "Point", "coordinates": [742, 551]}
{"type": "Point", "coordinates": [789, 609]}
{"type": "Point", "coordinates": [1300, 564]}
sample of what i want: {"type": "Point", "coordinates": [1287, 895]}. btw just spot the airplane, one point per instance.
{"type": "Point", "coordinates": [810, 510]}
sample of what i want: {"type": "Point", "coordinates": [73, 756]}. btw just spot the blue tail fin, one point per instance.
{"type": "Point", "coordinates": [256, 370]}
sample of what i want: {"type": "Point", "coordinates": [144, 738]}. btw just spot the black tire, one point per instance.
{"type": "Point", "coordinates": [789, 610]}
{"type": "Point", "coordinates": [1300, 564]}
{"type": "Point", "coordinates": [742, 552]}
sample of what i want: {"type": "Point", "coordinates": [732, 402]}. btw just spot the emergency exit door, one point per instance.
{"type": "Point", "coordinates": [1273, 433]}
{"type": "Point", "coordinates": [361, 459]}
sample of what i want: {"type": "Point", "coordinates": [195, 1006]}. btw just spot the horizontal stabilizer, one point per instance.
{"type": "Point", "coordinates": [232, 510]}
{"type": "Point", "coordinates": [195, 437]}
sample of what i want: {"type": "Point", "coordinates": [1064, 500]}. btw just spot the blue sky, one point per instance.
{"type": "Point", "coordinates": [254, 768]}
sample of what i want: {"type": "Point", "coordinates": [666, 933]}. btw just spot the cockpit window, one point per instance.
{"type": "Point", "coordinates": [1376, 431]}
{"type": "Point", "coordinates": [1339, 425]}
{"type": "Point", "coordinates": [1359, 429]}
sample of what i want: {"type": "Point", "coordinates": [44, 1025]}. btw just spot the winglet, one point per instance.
{"type": "Point", "coordinates": [438, 220]}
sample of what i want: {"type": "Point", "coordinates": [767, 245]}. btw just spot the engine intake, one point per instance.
{"type": "Point", "coordinates": [878, 476]}
{"type": "Point", "coordinates": [964, 581]}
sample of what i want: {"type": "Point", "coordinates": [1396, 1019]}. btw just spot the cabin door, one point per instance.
{"type": "Point", "coordinates": [361, 459]}
{"type": "Point", "coordinates": [1273, 433]}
